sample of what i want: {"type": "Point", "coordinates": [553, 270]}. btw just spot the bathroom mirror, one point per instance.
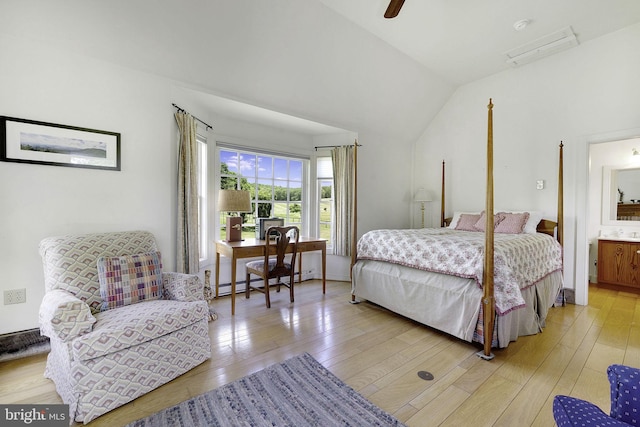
{"type": "Point", "coordinates": [620, 195]}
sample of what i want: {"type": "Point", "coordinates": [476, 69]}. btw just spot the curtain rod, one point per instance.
{"type": "Point", "coordinates": [182, 110]}
{"type": "Point", "coordinates": [334, 146]}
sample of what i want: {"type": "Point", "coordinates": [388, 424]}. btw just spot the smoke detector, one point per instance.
{"type": "Point", "coordinates": [521, 24]}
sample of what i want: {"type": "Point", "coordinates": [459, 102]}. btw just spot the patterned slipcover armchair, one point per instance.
{"type": "Point", "coordinates": [111, 343]}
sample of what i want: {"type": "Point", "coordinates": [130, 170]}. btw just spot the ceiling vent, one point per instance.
{"type": "Point", "coordinates": [544, 46]}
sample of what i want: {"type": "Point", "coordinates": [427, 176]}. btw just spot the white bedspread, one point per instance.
{"type": "Point", "coordinates": [520, 260]}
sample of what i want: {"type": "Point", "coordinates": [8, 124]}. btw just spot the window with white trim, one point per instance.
{"type": "Point", "coordinates": [276, 183]}
{"type": "Point", "coordinates": [324, 173]}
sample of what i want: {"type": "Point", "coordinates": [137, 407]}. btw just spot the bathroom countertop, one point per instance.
{"type": "Point", "coordinates": [622, 239]}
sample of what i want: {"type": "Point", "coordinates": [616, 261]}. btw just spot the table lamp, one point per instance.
{"type": "Point", "coordinates": [234, 201]}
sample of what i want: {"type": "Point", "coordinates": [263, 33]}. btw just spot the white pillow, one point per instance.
{"type": "Point", "coordinates": [532, 223]}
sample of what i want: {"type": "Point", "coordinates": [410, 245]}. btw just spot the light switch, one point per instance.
{"type": "Point", "coordinates": [539, 184]}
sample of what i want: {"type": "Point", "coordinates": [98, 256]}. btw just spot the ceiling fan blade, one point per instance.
{"type": "Point", "coordinates": [394, 8]}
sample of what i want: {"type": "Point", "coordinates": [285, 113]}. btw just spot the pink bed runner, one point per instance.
{"type": "Point", "coordinates": [520, 260]}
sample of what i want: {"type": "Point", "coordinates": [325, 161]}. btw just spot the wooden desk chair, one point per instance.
{"type": "Point", "coordinates": [275, 268]}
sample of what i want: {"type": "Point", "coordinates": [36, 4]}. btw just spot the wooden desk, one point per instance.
{"type": "Point", "coordinates": [251, 248]}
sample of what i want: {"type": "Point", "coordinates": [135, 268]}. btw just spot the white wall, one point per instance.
{"type": "Point", "coordinates": [38, 201]}
{"type": "Point", "coordinates": [573, 96]}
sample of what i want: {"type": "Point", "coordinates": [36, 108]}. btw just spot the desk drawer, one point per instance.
{"type": "Point", "coordinates": [312, 246]}
{"type": "Point", "coordinates": [250, 252]}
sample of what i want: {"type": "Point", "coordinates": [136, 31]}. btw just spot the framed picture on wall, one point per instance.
{"type": "Point", "coordinates": [29, 141]}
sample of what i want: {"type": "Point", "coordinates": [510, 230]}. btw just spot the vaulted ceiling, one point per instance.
{"type": "Point", "coordinates": [338, 62]}
{"type": "Point", "coordinates": [465, 40]}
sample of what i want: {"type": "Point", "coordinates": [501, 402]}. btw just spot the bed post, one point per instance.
{"type": "Point", "coordinates": [560, 236]}
{"type": "Point", "coordinates": [488, 304]}
{"type": "Point", "coordinates": [354, 226]}
{"type": "Point", "coordinates": [442, 224]}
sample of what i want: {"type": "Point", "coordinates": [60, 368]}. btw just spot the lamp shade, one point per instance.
{"type": "Point", "coordinates": [234, 201]}
{"type": "Point", "coordinates": [423, 195]}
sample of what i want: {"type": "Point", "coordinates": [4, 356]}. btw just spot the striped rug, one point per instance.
{"type": "Point", "coordinates": [297, 392]}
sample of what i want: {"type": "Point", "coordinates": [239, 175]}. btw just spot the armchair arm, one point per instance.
{"type": "Point", "coordinates": [625, 393]}
{"type": "Point", "coordinates": [64, 316]}
{"type": "Point", "coordinates": [182, 287]}
{"type": "Point", "coordinates": [571, 411]}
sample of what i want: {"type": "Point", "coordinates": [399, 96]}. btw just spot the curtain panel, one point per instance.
{"type": "Point", "coordinates": [344, 184]}
{"type": "Point", "coordinates": [187, 253]}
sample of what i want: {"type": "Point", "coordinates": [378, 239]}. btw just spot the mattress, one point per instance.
{"type": "Point", "coordinates": [520, 260]}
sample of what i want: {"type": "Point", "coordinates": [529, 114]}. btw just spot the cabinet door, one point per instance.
{"type": "Point", "coordinates": [612, 262]}
{"type": "Point", "coordinates": [619, 263]}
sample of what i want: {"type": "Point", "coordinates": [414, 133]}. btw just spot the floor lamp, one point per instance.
{"type": "Point", "coordinates": [234, 201]}
{"type": "Point", "coordinates": [422, 196]}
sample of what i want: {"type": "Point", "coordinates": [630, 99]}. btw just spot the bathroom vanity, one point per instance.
{"type": "Point", "coordinates": [619, 262]}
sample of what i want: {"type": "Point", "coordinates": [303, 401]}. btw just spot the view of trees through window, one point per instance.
{"type": "Point", "coordinates": [324, 168]}
{"type": "Point", "coordinates": [275, 184]}
{"type": "Point", "coordinates": [326, 207]}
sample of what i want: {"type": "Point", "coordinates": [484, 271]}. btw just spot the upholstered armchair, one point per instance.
{"type": "Point", "coordinates": [625, 403]}
{"type": "Point", "coordinates": [119, 326]}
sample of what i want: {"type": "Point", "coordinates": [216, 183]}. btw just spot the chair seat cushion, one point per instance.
{"type": "Point", "coordinates": [570, 411]}
{"type": "Point", "coordinates": [124, 327]}
{"type": "Point", "coordinates": [259, 265]}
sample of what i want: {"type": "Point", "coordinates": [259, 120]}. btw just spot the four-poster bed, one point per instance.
{"type": "Point", "coordinates": [489, 287]}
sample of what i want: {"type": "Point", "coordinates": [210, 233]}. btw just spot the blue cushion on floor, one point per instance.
{"type": "Point", "coordinates": [572, 412]}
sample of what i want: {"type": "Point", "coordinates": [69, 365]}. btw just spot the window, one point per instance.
{"type": "Point", "coordinates": [276, 184]}
{"type": "Point", "coordinates": [325, 198]}
{"type": "Point", "coordinates": [202, 197]}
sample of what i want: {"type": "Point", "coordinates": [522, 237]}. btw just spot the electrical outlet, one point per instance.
{"type": "Point", "coordinates": [15, 296]}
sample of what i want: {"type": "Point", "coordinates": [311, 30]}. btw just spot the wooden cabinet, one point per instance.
{"type": "Point", "coordinates": [618, 263]}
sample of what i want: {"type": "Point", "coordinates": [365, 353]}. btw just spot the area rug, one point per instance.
{"type": "Point", "coordinates": [297, 392]}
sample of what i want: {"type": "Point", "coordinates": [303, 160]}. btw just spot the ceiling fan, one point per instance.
{"type": "Point", "coordinates": [393, 9]}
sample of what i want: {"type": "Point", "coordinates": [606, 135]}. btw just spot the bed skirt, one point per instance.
{"type": "Point", "coordinates": [448, 303]}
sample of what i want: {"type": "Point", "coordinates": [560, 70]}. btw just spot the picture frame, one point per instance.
{"type": "Point", "coordinates": [265, 223]}
{"type": "Point", "coordinates": [30, 141]}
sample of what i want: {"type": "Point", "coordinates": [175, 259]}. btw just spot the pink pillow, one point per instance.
{"type": "Point", "coordinates": [513, 223]}
{"type": "Point", "coordinates": [480, 224]}
{"type": "Point", "coordinates": [467, 221]}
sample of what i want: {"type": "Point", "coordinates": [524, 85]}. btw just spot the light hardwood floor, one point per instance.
{"type": "Point", "coordinates": [379, 354]}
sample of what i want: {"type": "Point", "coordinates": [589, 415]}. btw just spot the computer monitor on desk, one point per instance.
{"type": "Point", "coordinates": [264, 223]}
